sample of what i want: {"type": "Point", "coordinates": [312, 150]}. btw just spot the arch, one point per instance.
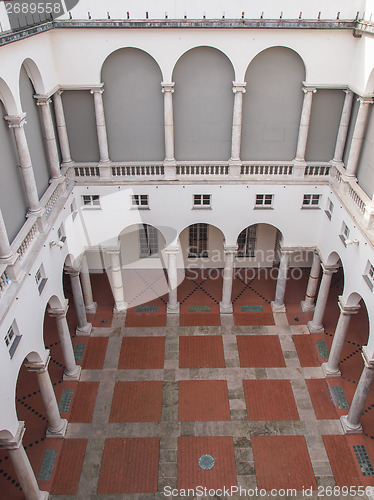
{"type": "Point", "coordinates": [34, 74]}
{"type": "Point", "coordinates": [369, 88]}
{"type": "Point", "coordinates": [54, 302]}
{"type": "Point", "coordinates": [354, 299]}
{"type": "Point", "coordinates": [197, 47]}
{"type": "Point", "coordinates": [202, 244]}
{"type": "Point", "coordinates": [6, 435]}
{"type": "Point", "coordinates": [332, 259]}
{"type": "Point", "coordinates": [143, 241]}
{"type": "Point", "coordinates": [263, 244]}
{"type": "Point", "coordinates": [7, 98]}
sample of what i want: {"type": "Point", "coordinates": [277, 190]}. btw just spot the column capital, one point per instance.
{"type": "Point", "coordinates": [97, 90]}
{"type": "Point", "coordinates": [228, 249]}
{"type": "Point", "coordinates": [365, 100]}
{"type": "Point", "coordinates": [306, 89]}
{"type": "Point", "coordinates": [14, 442]}
{"type": "Point", "coordinates": [59, 92]}
{"type": "Point", "coordinates": [112, 250]}
{"type": "Point", "coordinates": [42, 100]}
{"type": "Point", "coordinates": [59, 312]}
{"type": "Point", "coordinates": [348, 91]}
{"type": "Point", "coordinates": [39, 366]}
{"type": "Point", "coordinates": [329, 269]}
{"type": "Point", "coordinates": [286, 251]}
{"type": "Point", "coordinates": [368, 358]}
{"type": "Point", "coordinates": [239, 87]}
{"type": "Point", "coordinates": [167, 87]}
{"type": "Point", "coordinates": [347, 310]}
{"type": "Point", "coordinates": [72, 271]}
{"type": "Point", "coordinates": [172, 249]}
{"type": "Point", "coordinates": [16, 121]}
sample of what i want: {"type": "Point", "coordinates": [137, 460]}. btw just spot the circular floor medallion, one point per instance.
{"type": "Point", "coordinates": [206, 462]}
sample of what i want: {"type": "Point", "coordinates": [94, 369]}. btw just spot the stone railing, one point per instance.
{"type": "Point", "coordinates": [4, 281]}
{"type": "Point", "coordinates": [134, 170]}
{"type": "Point", "coordinates": [266, 168]}
{"type": "Point", "coordinates": [26, 237]}
{"type": "Point", "coordinates": [206, 169]}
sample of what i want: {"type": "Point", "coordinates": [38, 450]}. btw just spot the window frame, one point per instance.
{"type": "Point", "coordinates": [91, 201]}
{"type": "Point", "coordinates": [202, 201]}
{"type": "Point", "coordinates": [12, 341]}
{"type": "Point", "coordinates": [344, 233]}
{"type": "Point", "coordinates": [40, 278]}
{"type": "Point", "coordinates": [200, 242]}
{"type": "Point", "coordinates": [264, 201]}
{"type": "Point", "coordinates": [148, 241]}
{"type": "Point", "coordinates": [250, 242]}
{"type": "Point", "coordinates": [309, 200]}
{"type": "Point", "coordinates": [369, 275]}
{"type": "Point", "coordinates": [139, 202]}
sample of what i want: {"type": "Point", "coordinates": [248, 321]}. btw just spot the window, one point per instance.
{"type": "Point", "coordinates": [11, 340]}
{"type": "Point", "coordinates": [148, 241]}
{"type": "Point", "coordinates": [61, 234]}
{"type": "Point", "coordinates": [369, 275]}
{"type": "Point", "coordinates": [247, 242]}
{"type": "Point", "coordinates": [139, 201]}
{"type": "Point", "coordinates": [73, 209]}
{"type": "Point", "coordinates": [91, 200]}
{"type": "Point", "coordinates": [329, 209]}
{"type": "Point", "coordinates": [198, 241]}
{"type": "Point", "coordinates": [40, 279]}
{"type": "Point", "coordinates": [202, 200]}
{"type": "Point", "coordinates": [344, 235]}
{"type": "Point", "coordinates": [311, 200]}
{"type": "Point", "coordinates": [264, 200]}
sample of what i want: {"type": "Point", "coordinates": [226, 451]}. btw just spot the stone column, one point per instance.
{"type": "Point", "coordinates": [17, 123]}
{"type": "Point", "coordinates": [278, 304]}
{"type": "Point", "coordinates": [358, 136]}
{"type": "Point", "coordinates": [343, 127]}
{"type": "Point", "coordinates": [239, 90]}
{"type": "Point", "coordinates": [304, 124]}
{"type": "Point", "coordinates": [225, 306]}
{"type": "Point", "coordinates": [351, 423]}
{"type": "Point", "coordinates": [90, 305]}
{"type": "Point", "coordinates": [61, 128]}
{"type": "Point", "coordinates": [117, 281]}
{"type": "Point", "coordinates": [100, 124]}
{"type": "Point", "coordinates": [331, 368]}
{"type": "Point", "coordinates": [168, 89]}
{"type": "Point", "coordinates": [5, 250]}
{"type": "Point", "coordinates": [316, 326]}
{"type": "Point", "coordinates": [49, 136]}
{"type": "Point", "coordinates": [56, 425]}
{"type": "Point", "coordinates": [173, 304]}
{"type": "Point", "coordinates": [72, 370]}
{"type": "Point", "coordinates": [84, 328]}
{"type": "Point", "coordinates": [22, 466]}
{"type": "Point", "coordinates": [308, 304]}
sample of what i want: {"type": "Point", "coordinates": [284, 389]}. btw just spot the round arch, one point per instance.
{"type": "Point", "coordinates": [7, 98]}
{"type": "Point", "coordinates": [369, 88]}
{"type": "Point", "coordinates": [34, 74]}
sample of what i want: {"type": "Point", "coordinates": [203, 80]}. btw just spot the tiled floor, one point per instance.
{"type": "Point", "coordinates": [246, 389]}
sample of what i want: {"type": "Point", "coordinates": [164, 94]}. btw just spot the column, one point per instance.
{"type": "Point", "coordinates": [17, 123]}
{"type": "Point", "coordinates": [309, 303]}
{"type": "Point", "coordinates": [304, 124]}
{"type": "Point", "coordinates": [117, 282]}
{"type": "Point", "coordinates": [278, 304]}
{"type": "Point", "coordinates": [351, 423]}
{"type": "Point", "coordinates": [100, 124]}
{"type": "Point", "coordinates": [358, 136]}
{"type": "Point", "coordinates": [72, 370]}
{"type": "Point", "coordinates": [343, 127]}
{"type": "Point", "coordinates": [22, 466]}
{"type": "Point", "coordinates": [173, 304]}
{"type": "Point", "coordinates": [61, 128]}
{"type": "Point", "coordinates": [316, 326]}
{"type": "Point", "coordinates": [168, 90]}
{"type": "Point", "coordinates": [331, 368]}
{"type": "Point", "coordinates": [56, 425]}
{"type": "Point", "coordinates": [49, 136]}
{"type": "Point", "coordinates": [239, 90]}
{"type": "Point", "coordinates": [90, 305]}
{"type": "Point", "coordinates": [5, 250]}
{"type": "Point", "coordinates": [84, 328]}
{"type": "Point", "coordinates": [225, 306]}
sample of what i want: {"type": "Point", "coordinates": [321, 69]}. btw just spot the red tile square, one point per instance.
{"type": "Point", "coordinates": [94, 356]}
{"type": "Point", "coordinates": [260, 351]}
{"type": "Point", "coordinates": [136, 402]}
{"type": "Point", "coordinates": [129, 466]}
{"type": "Point", "coordinates": [84, 401]}
{"type": "Point", "coordinates": [191, 475]}
{"type": "Point", "coordinates": [140, 353]}
{"type": "Point", "coordinates": [270, 400]}
{"type": "Point", "coordinates": [306, 350]}
{"type": "Point", "coordinates": [201, 351]}
{"type": "Point", "coordinates": [282, 462]}
{"type": "Point", "coordinates": [203, 400]}
{"type": "Point", "coordinates": [344, 468]}
{"type": "Point", "coordinates": [69, 467]}
{"type": "Point", "coordinates": [323, 405]}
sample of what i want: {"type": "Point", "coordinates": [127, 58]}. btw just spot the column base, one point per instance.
{"type": "Point", "coordinates": [172, 309]}
{"type": "Point", "coordinates": [225, 309]}
{"type": "Point", "coordinates": [84, 331]}
{"type": "Point", "coordinates": [315, 328]}
{"type": "Point", "coordinates": [305, 307]}
{"type": "Point", "coordinates": [73, 376]}
{"type": "Point", "coordinates": [170, 170]}
{"type": "Point", "coordinates": [329, 373]}
{"type": "Point", "coordinates": [122, 309]}
{"type": "Point", "coordinates": [92, 308]}
{"type": "Point", "coordinates": [44, 495]}
{"type": "Point", "coordinates": [349, 428]}
{"type": "Point", "coordinates": [299, 167]}
{"type": "Point", "coordinates": [281, 308]}
{"type": "Point", "coordinates": [60, 433]}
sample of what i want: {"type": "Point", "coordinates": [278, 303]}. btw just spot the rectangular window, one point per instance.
{"type": "Point", "coordinates": [369, 275]}
{"type": "Point", "coordinates": [73, 209]}
{"type": "Point", "coordinates": [344, 235]}
{"type": "Point", "coordinates": [311, 200]}
{"type": "Point", "coordinates": [198, 241]}
{"type": "Point", "coordinates": [148, 241]}
{"type": "Point", "coordinates": [61, 234]}
{"type": "Point", "coordinates": [139, 201]}
{"type": "Point", "coordinates": [202, 200]}
{"type": "Point", "coordinates": [247, 242]}
{"type": "Point", "coordinates": [329, 208]}
{"type": "Point", "coordinates": [91, 201]}
{"type": "Point", "coordinates": [264, 201]}
{"type": "Point", "coordinates": [11, 340]}
{"type": "Point", "coordinates": [40, 279]}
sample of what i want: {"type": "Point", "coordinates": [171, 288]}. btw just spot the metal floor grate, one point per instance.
{"type": "Point", "coordinates": [363, 460]}
{"type": "Point", "coordinates": [48, 463]}
{"type": "Point", "coordinates": [195, 309]}
{"type": "Point", "coordinates": [322, 349]}
{"type": "Point", "coordinates": [339, 397]}
{"type": "Point", "coordinates": [146, 309]}
{"type": "Point", "coordinates": [78, 351]}
{"type": "Point", "coordinates": [65, 400]}
{"type": "Point", "coordinates": [251, 308]}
